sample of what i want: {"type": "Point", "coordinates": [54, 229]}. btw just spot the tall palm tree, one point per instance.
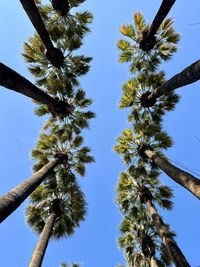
{"type": "Point", "coordinates": [187, 76]}
{"type": "Point", "coordinates": [15, 197]}
{"type": "Point", "coordinates": [185, 179]}
{"type": "Point", "coordinates": [165, 46]}
{"type": "Point", "coordinates": [146, 146]}
{"type": "Point", "coordinates": [14, 81]}
{"type": "Point", "coordinates": [78, 119]}
{"type": "Point", "coordinates": [137, 227]}
{"type": "Point", "coordinates": [62, 84]}
{"type": "Point", "coordinates": [54, 55]}
{"type": "Point", "coordinates": [141, 185]}
{"type": "Point", "coordinates": [73, 65]}
{"type": "Point", "coordinates": [52, 150]}
{"type": "Point", "coordinates": [61, 141]}
{"type": "Point", "coordinates": [135, 92]}
{"type": "Point", "coordinates": [132, 183]}
{"type": "Point", "coordinates": [141, 243]}
{"type": "Point", "coordinates": [175, 252]}
{"type": "Point", "coordinates": [148, 39]}
{"type": "Point", "coordinates": [67, 33]}
{"type": "Point", "coordinates": [54, 212]}
{"type": "Point", "coordinates": [69, 29]}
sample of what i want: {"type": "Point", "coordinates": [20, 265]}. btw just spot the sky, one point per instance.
{"type": "Point", "coordinates": [95, 243]}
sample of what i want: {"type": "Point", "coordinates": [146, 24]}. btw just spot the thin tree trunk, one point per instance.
{"type": "Point", "coordinates": [181, 177]}
{"type": "Point", "coordinates": [148, 40]}
{"type": "Point", "coordinates": [160, 16]}
{"type": "Point", "coordinates": [174, 251]}
{"type": "Point", "coordinates": [39, 251]}
{"type": "Point", "coordinates": [54, 55]}
{"type": "Point", "coordinates": [154, 262]}
{"type": "Point", "coordinates": [187, 76]}
{"type": "Point", "coordinates": [14, 81]}
{"type": "Point", "coordinates": [13, 199]}
{"type": "Point", "coordinates": [35, 18]}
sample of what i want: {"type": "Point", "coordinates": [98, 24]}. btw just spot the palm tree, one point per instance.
{"type": "Point", "coordinates": [54, 212]}
{"type": "Point", "coordinates": [54, 55]}
{"type": "Point", "coordinates": [181, 177]}
{"type": "Point", "coordinates": [165, 46]}
{"type": "Point", "coordinates": [62, 84]}
{"type": "Point", "coordinates": [67, 33]}
{"type": "Point", "coordinates": [131, 185]}
{"type": "Point", "coordinates": [61, 141]}
{"type": "Point", "coordinates": [14, 81]}
{"type": "Point", "coordinates": [187, 76]}
{"type": "Point", "coordinates": [141, 184]}
{"type": "Point", "coordinates": [15, 197]}
{"type": "Point", "coordinates": [135, 92]}
{"type": "Point", "coordinates": [141, 243]}
{"type": "Point", "coordinates": [78, 119]}
{"type": "Point", "coordinates": [73, 66]}
{"type": "Point", "coordinates": [52, 150]}
{"type": "Point", "coordinates": [137, 227]}
{"type": "Point", "coordinates": [68, 29]}
{"type": "Point", "coordinates": [148, 39]}
{"type": "Point", "coordinates": [174, 250]}
{"type": "Point", "coordinates": [146, 147]}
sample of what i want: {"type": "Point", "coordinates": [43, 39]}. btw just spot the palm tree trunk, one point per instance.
{"type": "Point", "coordinates": [181, 177]}
{"type": "Point", "coordinates": [154, 262]}
{"type": "Point", "coordinates": [54, 55]}
{"type": "Point", "coordinates": [187, 76]}
{"type": "Point", "coordinates": [174, 251]}
{"type": "Point", "coordinates": [13, 199]}
{"type": "Point", "coordinates": [160, 16]}
{"type": "Point", "coordinates": [39, 251]}
{"type": "Point", "coordinates": [148, 40]}
{"type": "Point", "coordinates": [14, 81]}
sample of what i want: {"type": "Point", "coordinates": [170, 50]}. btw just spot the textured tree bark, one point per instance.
{"type": "Point", "coordinates": [181, 177]}
{"type": "Point", "coordinates": [54, 55]}
{"type": "Point", "coordinates": [154, 262]}
{"type": "Point", "coordinates": [174, 251]}
{"type": "Point", "coordinates": [187, 76]}
{"type": "Point", "coordinates": [160, 16]}
{"type": "Point", "coordinates": [39, 251]}
{"type": "Point", "coordinates": [35, 18]}
{"type": "Point", "coordinates": [13, 199]}
{"type": "Point", "coordinates": [15, 82]}
{"type": "Point", "coordinates": [148, 40]}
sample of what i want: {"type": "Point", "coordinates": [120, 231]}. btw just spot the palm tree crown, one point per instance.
{"type": "Point", "coordinates": [132, 143]}
{"type": "Point", "coordinates": [135, 92]}
{"type": "Point", "coordinates": [165, 45]}
{"type": "Point", "coordinates": [58, 142]}
{"type": "Point", "coordinates": [65, 200]}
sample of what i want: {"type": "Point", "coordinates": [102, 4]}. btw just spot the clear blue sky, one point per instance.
{"type": "Point", "coordinates": [95, 243]}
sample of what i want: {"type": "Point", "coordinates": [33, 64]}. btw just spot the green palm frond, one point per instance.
{"type": "Point", "coordinates": [165, 47]}
{"type": "Point", "coordinates": [62, 140]}
{"type": "Point", "coordinates": [134, 91]}
{"type": "Point", "coordinates": [143, 133]}
{"type": "Point", "coordinates": [73, 207]}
